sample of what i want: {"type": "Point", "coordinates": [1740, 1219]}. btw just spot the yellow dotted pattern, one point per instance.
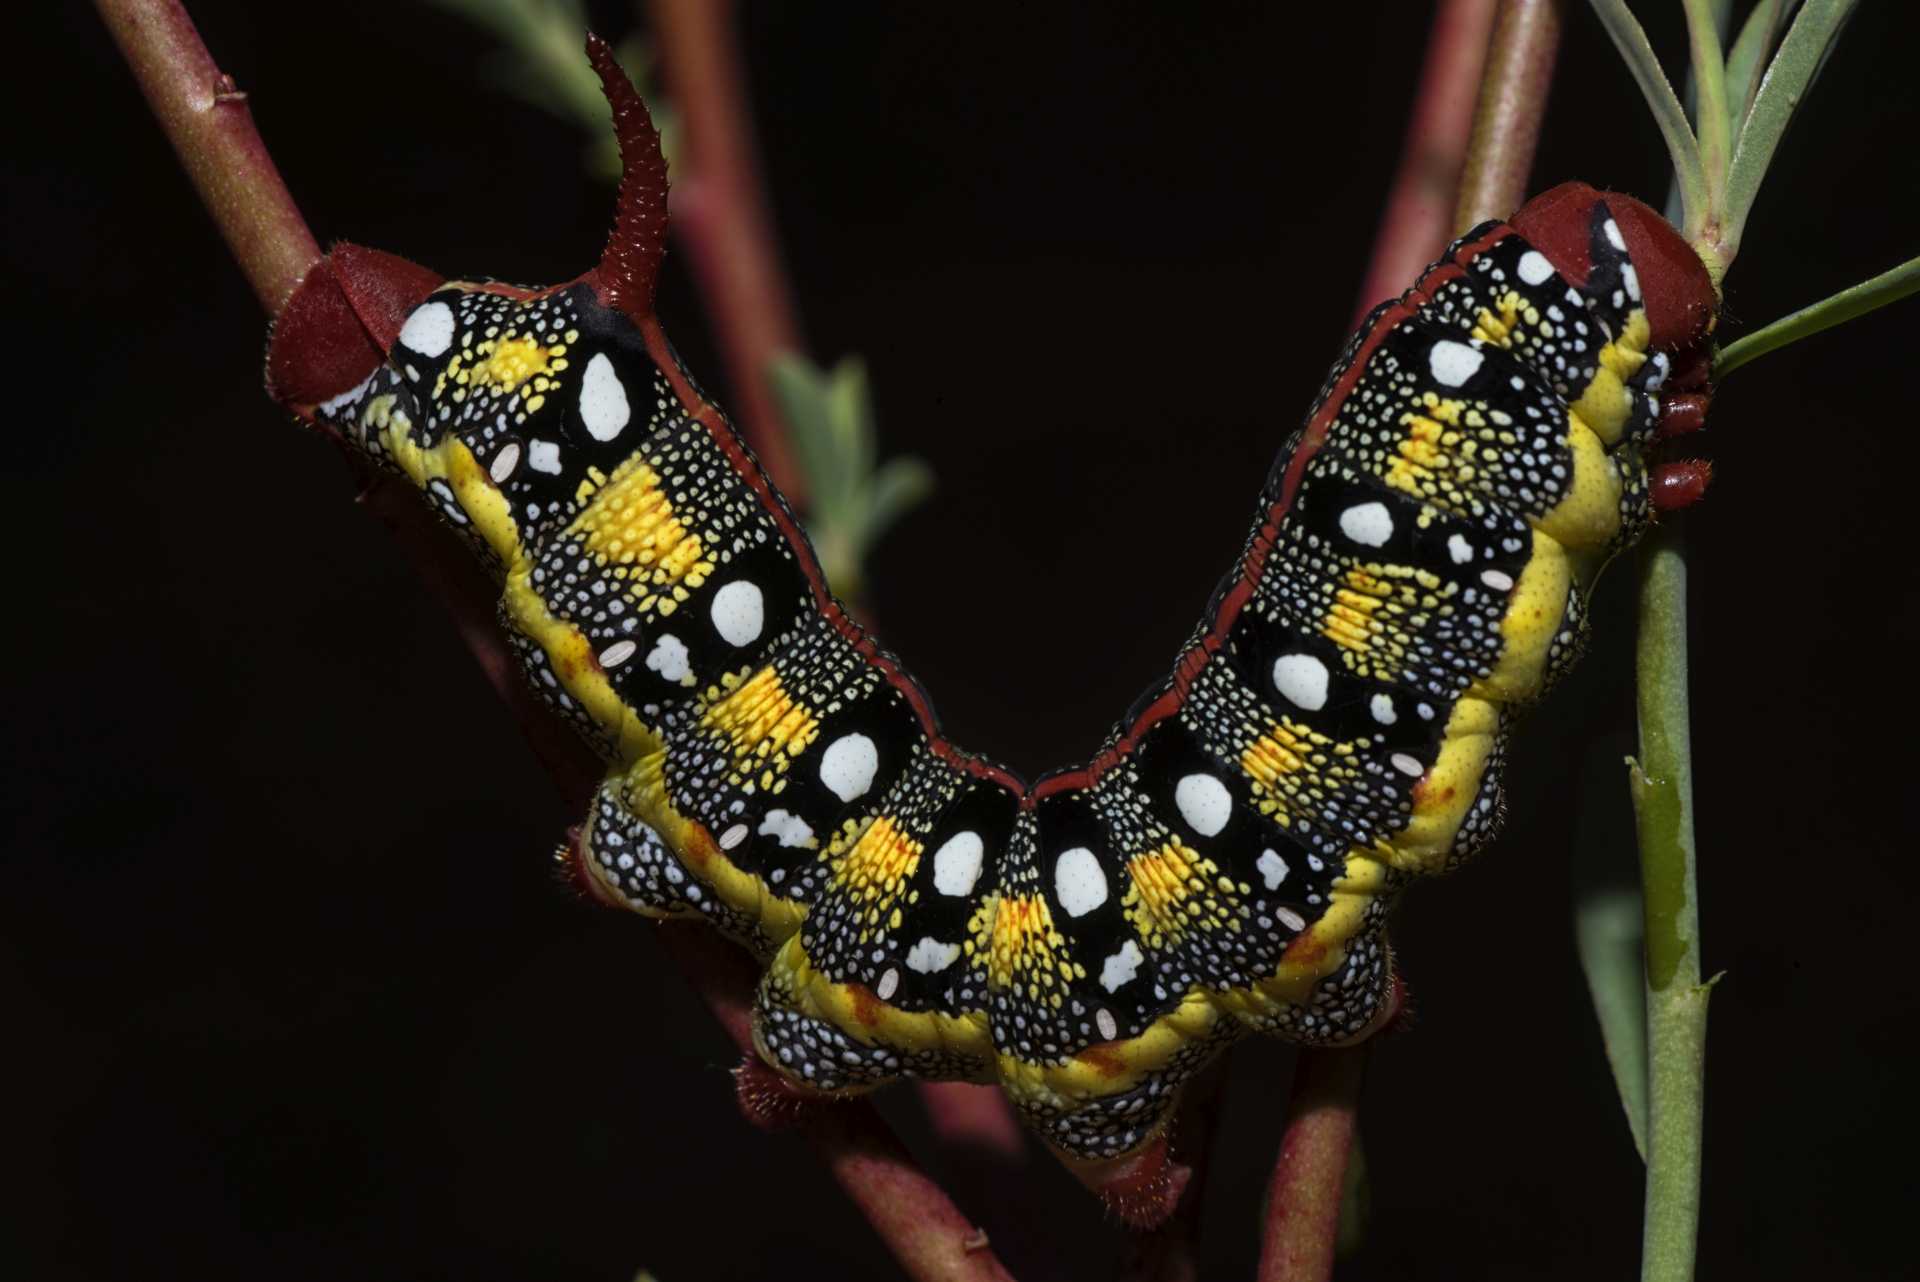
{"type": "Point", "coordinates": [1027, 952]}
{"type": "Point", "coordinates": [1172, 890]}
{"type": "Point", "coordinates": [874, 875]}
{"type": "Point", "coordinates": [1296, 769]}
{"type": "Point", "coordinates": [765, 728]}
{"type": "Point", "coordinates": [504, 365]}
{"type": "Point", "coordinates": [632, 529]}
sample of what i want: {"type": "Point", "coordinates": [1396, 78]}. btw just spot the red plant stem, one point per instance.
{"type": "Point", "coordinates": [720, 215]}
{"type": "Point", "coordinates": [1303, 1196]}
{"type": "Point", "coordinates": [1419, 213]}
{"type": "Point", "coordinates": [1513, 102]}
{"type": "Point", "coordinates": [210, 128]}
{"type": "Point", "coordinates": [207, 120]}
{"type": "Point", "coordinates": [1492, 152]}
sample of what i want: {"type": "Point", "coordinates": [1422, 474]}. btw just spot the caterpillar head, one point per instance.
{"type": "Point", "coordinates": [336, 328]}
{"type": "Point", "coordinates": [1678, 293]}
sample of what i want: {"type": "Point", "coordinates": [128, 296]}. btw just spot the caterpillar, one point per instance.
{"type": "Point", "coordinates": [1416, 575]}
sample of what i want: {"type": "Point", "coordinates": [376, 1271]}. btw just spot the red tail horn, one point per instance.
{"type": "Point", "coordinates": [631, 263]}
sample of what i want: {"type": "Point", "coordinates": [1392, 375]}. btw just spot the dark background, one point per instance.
{"type": "Point", "coordinates": [288, 988]}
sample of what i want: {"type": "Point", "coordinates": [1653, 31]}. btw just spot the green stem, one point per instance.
{"type": "Point", "coordinates": [1662, 785]}
{"type": "Point", "coordinates": [1869, 295]}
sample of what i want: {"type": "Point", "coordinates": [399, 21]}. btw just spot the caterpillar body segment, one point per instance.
{"type": "Point", "coordinates": [1224, 865]}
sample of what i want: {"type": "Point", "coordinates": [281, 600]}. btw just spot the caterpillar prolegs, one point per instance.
{"type": "Point", "coordinates": [1224, 865]}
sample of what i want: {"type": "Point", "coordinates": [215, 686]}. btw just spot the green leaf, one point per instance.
{"type": "Point", "coordinates": [1749, 58]}
{"type": "Point", "coordinates": [1631, 40]}
{"type": "Point", "coordinates": [1608, 932]}
{"type": "Point", "coordinates": [1782, 88]}
{"type": "Point", "coordinates": [1868, 295]}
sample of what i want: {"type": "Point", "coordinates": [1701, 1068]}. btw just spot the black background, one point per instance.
{"type": "Point", "coordinates": [288, 989]}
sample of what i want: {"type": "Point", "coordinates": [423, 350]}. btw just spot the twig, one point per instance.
{"type": "Point", "coordinates": [206, 118]}
{"type": "Point", "coordinates": [270, 242]}
{"type": "Point", "coordinates": [1420, 207]}
{"type": "Point", "coordinates": [1485, 142]}
{"type": "Point", "coordinates": [1513, 100]}
{"type": "Point", "coordinates": [1662, 785]}
{"type": "Point", "coordinates": [720, 215]}
{"type": "Point", "coordinates": [1304, 1194]}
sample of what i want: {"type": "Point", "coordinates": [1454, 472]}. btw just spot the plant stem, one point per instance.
{"type": "Point", "coordinates": [720, 215]}
{"type": "Point", "coordinates": [1888, 287]}
{"type": "Point", "coordinates": [1513, 101]}
{"type": "Point", "coordinates": [222, 152]}
{"type": "Point", "coordinates": [1305, 1191]}
{"type": "Point", "coordinates": [206, 118]}
{"type": "Point", "coordinates": [1419, 213]}
{"type": "Point", "coordinates": [1662, 786]}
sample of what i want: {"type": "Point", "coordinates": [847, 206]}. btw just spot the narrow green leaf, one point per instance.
{"type": "Point", "coordinates": [898, 486]}
{"type": "Point", "coordinates": [1782, 88]}
{"type": "Point", "coordinates": [1631, 40]}
{"type": "Point", "coordinates": [1708, 90]}
{"type": "Point", "coordinates": [1608, 932]}
{"type": "Point", "coordinates": [802, 392]}
{"type": "Point", "coordinates": [1868, 295]}
{"type": "Point", "coordinates": [1748, 59]}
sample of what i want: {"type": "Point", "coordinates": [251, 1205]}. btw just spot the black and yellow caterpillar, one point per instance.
{"type": "Point", "coordinates": [1335, 726]}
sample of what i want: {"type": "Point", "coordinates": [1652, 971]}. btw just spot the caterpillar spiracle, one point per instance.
{"type": "Point", "coordinates": [1415, 576]}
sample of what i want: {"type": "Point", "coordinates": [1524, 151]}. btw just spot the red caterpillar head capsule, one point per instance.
{"type": "Point", "coordinates": [1680, 299]}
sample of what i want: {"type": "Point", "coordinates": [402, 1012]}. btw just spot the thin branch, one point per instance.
{"type": "Point", "coordinates": [1420, 206]}
{"type": "Point", "coordinates": [1306, 1190]}
{"type": "Point", "coordinates": [230, 166]}
{"type": "Point", "coordinates": [1662, 786]}
{"type": "Point", "coordinates": [206, 118]}
{"type": "Point", "coordinates": [1513, 101]}
{"type": "Point", "coordinates": [720, 215]}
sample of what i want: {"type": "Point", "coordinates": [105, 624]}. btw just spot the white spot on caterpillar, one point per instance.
{"type": "Point", "coordinates": [1426, 711]}
{"type": "Point", "coordinates": [504, 463]}
{"type": "Point", "coordinates": [1272, 868]}
{"type": "Point", "coordinates": [733, 836]}
{"type": "Point", "coordinates": [544, 456]}
{"type": "Point", "coordinates": [889, 982]}
{"type": "Point", "coordinates": [738, 612]}
{"type": "Point", "coordinates": [930, 956]}
{"type": "Point", "coordinates": [1459, 549]}
{"type": "Point", "coordinates": [1204, 803]}
{"type": "Point", "coordinates": [1534, 267]}
{"type": "Point", "coordinates": [1292, 920]}
{"type": "Point", "coordinates": [1631, 279]}
{"type": "Point", "coordinates": [429, 331]}
{"type": "Point", "coordinates": [1108, 1025]}
{"type": "Point", "coordinates": [1302, 679]}
{"type": "Point", "coordinates": [669, 657]}
{"type": "Point", "coordinates": [1496, 580]}
{"type": "Point", "coordinates": [1079, 882]}
{"type": "Point", "coordinates": [1409, 766]}
{"type": "Point", "coordinates": [603, 400]}
{"type": "Point", "coordinates": [1453, 363]}
{"type": "Point", "coordinates": [1381, 706]}
{"type": "Point", "coordinates": [848, 765]}
{"type": "Point", "coordinates": [617, 653]}
{"type": "Point", "coordinates": [1368, 523]}
{"type": "Point", "coordinates": [1119, 969]}
{"type": "Point", "coordinates": [956, 865]}
{"type": "Point", "coordinates": [789, 829]}
{"type": "Point", "coordinates": [1612, 229]}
